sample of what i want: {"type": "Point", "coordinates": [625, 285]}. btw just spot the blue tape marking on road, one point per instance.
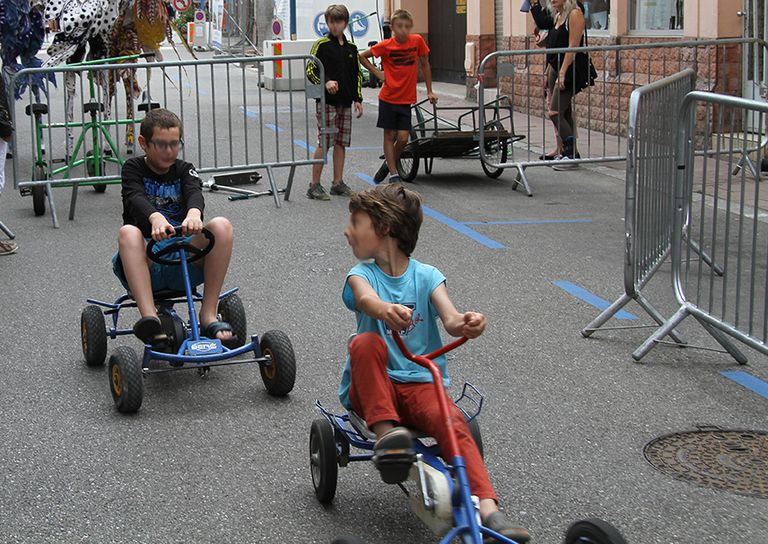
{"type": "Point", "coordinates": [444, 219]}
{"type": "Point", "coordinates": [527, 222]}
{"type": "Point", "coordinates": [749, 381]}
{"type": "Point", "coordinates": [270, 126]}
{"type": "Point", "coordinates": [304, 145]}
{"type": "Point", "coordinates": [591, 299]}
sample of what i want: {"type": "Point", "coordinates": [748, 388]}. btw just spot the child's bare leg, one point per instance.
{"type": "Point", "coordinates": [133, 254]}
{"type": "Point", "coordinates": [317, 169]}
{"type": "Point", "coordinates": [215, 268]}
{"type": "Point", "coordinates": [339, 154]}
{"type": "Point", "coordinates": [398, 142]}
{"type": "Point", "coordinates": [382, 427]}
{"type": "Point", "coordinates": [390, 136]}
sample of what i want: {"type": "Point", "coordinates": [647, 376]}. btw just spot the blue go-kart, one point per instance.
{"type": "Point", "coordinates": [181, 346]}
{"type": "Point", "coordinates": [439, 493]}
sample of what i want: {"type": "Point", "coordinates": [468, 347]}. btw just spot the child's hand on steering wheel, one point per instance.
{"type": "Point", "coordinates": [193, 223]}
{"type": "Point", "coordinates": [161, 228]}
{"type": "Point", "coordinates": [474, 324]}
{"type": "Point", "coordinates": [397, 317]}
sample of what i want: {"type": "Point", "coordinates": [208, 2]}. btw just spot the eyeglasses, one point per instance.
{"type": "Point", "coordinates": [163, 145]}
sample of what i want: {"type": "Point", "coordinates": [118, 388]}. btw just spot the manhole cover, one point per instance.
{"type": "Point", "coordinates": [730, 460]}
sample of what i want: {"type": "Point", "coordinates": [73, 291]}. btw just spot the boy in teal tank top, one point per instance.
{"type": "Point", "coordinates": [389, 290]}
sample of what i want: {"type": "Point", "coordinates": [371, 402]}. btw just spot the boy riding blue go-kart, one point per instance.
{"type": "Point", "coordinates": [164, 251]}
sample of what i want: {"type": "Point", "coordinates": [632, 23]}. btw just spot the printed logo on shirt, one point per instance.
{"type": "Point", "coordinates": [415, 320]}
{"type": "Point", "coordinates": [404, 57]}
{"type": "Point", "coordinates": [165, 197]}
{"type": "Point", "coordinates": [193, 173]}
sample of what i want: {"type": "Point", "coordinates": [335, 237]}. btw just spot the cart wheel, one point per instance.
{"type": "Point", "coordinates": [280, 375]}
{"type": "Point", "coordinates": [347, 540]}
{"type": "Point", "coordinates": [39, 192]}
{"type": "Point", "coordinates": [91, 169]}
{"type": "Point", "coordinates": [93, 333]}
{"type": "Point", "coordinates": [474, 428]}
{"type": "Point", "coordinates": [126, 380]}
{"type": "Point", "coordinates": [232, 311]}
{"type": "Point", "coordinates": [428, 162]}
{"type": "Point", "coordinates": [593, 531]}
{"type": "Point", "coordinates": [322, 460]}
{"type": "Point", "coordinates": [496, 150]}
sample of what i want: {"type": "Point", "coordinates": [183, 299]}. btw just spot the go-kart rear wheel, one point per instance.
{"type": "Point", "coordinates": [232, 311]}
{"type": "Point", "coordinates": [90, 167]}
{"type": "Point", "coordinates": [474, 428]}
{"type": "Point", "coordinates": [593, 531]}
{"type": "Point", "coordinates": [323, 462]}
{"type": "Point", "coordinates": [39, 192]}
{"type": "Point", "coordinates": [408, 167]}
{"type": "Point", "coordinates": [280, 375]}
{"type": "Point", "coordinates": [93, 335]}
{"type": "Point", "coordinates": [126, 380]}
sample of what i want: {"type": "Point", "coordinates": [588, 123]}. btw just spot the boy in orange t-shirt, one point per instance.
{"type": "Point", "coordinates": [399, 56]}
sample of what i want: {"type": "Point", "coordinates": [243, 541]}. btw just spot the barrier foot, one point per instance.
{"type": "Point", "coordinates": [52, 205]}
{"type": "Point", "coordinates": [290, 184]}
{"type": "Point", "coordinates": [273, 186]}
{"type": "Point", "coordinates": [8, 232]}
{"type": "Point", "coordinates": [605, 315]}
{"type": "Point", "coordinates": [521, 179]}
{"type": "Point", "coordinates": [658, 318]}
{"type": "Point", "coordinates": [73, 202]}
{"type": "Point", "coordinates": [724, 341]}
{"type": "Point", "coordinates": [660, 333]}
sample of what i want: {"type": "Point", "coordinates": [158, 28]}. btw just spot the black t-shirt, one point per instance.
{"type": "Point", "coordinates": [146, 192]}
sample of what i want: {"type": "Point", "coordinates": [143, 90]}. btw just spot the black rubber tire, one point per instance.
{"type": "Point", "coordinates": [408, 168]}
{"type": "Point", "coordinates": [347, 540]}
{"type": "Point", "coordinates": [474, 428]}
{"type": "Point", "coordinates": [496, 148]}
{"type": "Point", "coordinates": [323, 463]}
{"type": "Point", "coordinates": [279, 376]}
{"type": "Point", "coordinates": [593, 531]}
{"type": "Point", "coordinates": [126, 380]}
{"type": "Point", "coordinates": [38, 192]}
{"type": "Point", "coordinates": [232, 311]}
{"type": "Point", "coordinates": [100, 187]}
{"type": "Point", "coordinates": [93, 335]}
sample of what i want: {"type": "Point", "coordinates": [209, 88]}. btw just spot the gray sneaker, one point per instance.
{"type": "Point", "coordinates": [317, 192]}
{"type": "Point", "coordinates": [395, 179]}
{"type": "Point", "coordinates": [563, 163]}
{"type": "Point", "coordinates": [381, 173]}
{"type": "Point", "coordinates": [341, 189]}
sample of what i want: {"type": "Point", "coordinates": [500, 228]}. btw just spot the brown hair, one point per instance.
{"type": "Point", "coordinates": [337, 12]}
{"type": "Point", "coordinates": [394, 210]}
{"type": "Point", "coordinates": [159, 118]}
{"type": "Point", "coordinates": [401, 14]}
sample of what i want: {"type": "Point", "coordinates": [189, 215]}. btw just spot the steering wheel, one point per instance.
{"type": "Point", "coordinates": [194, 253]}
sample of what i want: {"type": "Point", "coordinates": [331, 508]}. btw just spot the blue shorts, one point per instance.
{"type": "Point", "coordinates": [163, 276]}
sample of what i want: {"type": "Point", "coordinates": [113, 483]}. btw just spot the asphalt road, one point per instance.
{"type": "Point", "coordinates": [219, 460]}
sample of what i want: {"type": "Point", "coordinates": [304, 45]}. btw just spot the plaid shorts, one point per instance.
{"type": "Point", "coordinates": [338, 117]}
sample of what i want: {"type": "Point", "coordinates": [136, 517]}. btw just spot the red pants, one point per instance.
{"type": "Point", "coordinates": [376, 398]}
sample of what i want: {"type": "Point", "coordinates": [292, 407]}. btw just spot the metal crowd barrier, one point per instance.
{"type": "Point", "coordinates": [721, 205]}
{"type": "Point", "coordinates": [232, 124]}
{"type": "Point", "coordinates": [650, 174]}
{"type": "Point", "coordinates": [601, 110]}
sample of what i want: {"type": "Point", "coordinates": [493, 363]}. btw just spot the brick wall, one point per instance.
{"type": "Point", "coordinates": [605, 106]}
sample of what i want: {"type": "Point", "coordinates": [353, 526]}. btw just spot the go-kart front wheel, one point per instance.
{"type": "Point", "coordinates": [593, 531]}
{"type": "Point", "coordinates": [93, 335]}
{"type": "Point", "coordinates": [474, 428]}
{"type": "Point", "coordinates": [232, 311]}
{"type": "Point", "coordinates": [126, 380]}
{"type": "Point", "coordinates": [280, 375]}
{"type": "Point", "coordinates": [323, 461]}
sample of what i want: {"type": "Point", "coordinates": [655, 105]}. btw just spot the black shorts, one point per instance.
{"type": "Point", "coordinates": [394, 116]}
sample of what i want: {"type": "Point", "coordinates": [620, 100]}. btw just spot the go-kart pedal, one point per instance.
{"type": "Point", "coordinates": [394, 455]}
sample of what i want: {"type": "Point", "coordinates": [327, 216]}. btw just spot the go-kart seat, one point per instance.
{"type": "Point", "coordinates": [36, 109]}
{"type": "Point", "coordinates": [362, 427]}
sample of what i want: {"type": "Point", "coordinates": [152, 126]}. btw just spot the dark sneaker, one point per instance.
{"type": "Point", "coordinates": [317, 192]}
{"type": "Point", "coordinates": [499, 523]}
{"type": "Point", "coordinates": [393, 455]}
{"type": "Point", "coordinates": [341, 189]}
{"type": "Point", "coordinates": [381, 173]}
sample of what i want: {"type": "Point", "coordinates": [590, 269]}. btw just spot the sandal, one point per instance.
{"type": "Point", "coordinates": [149, 330]}
{"type": "Point", "coordinates": [215, 327]}
{"type": "Point", "coordinates": [499, 523]}
{"type": "Point", "coordinates": [6, 247]}
{"type": "Point", "coordinates": [394, 455]}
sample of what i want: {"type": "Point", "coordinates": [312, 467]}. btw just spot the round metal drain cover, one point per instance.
{"type": "Point", "coordinates": [729, 460]}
